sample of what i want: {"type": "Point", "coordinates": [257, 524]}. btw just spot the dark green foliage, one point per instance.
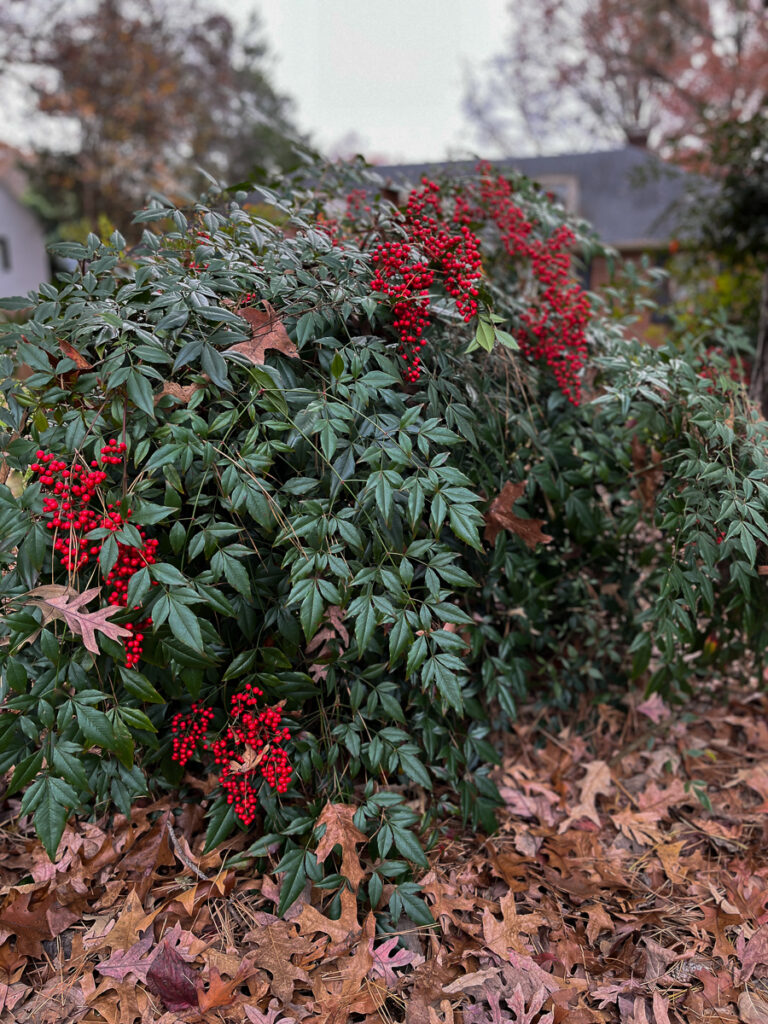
{"type": "Point", "coordinates": [319, 493]}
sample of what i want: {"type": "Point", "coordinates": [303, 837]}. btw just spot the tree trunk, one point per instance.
{"type": "Point", "coordinates": [758, 388]}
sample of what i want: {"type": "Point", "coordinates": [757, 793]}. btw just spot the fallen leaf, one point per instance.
{"type": "Point", "coordinates": [597, 781]}
{"type": "Point", "coordinates": [35, 918]}
{"type": "Point", "coordinates": [500, 517]}
{"type": "Point", "coordinates": [77, 358]}
{"type": "Point", "coordinates": [276, 945]}
{"type": "Point", "coordinates": [267, 332]}
{"type": "Point", "coordinates": [341, 830]}
{"type": "Point", "coordinates": [134, 961]}
{"type": "Point", "coordinates": [133, 920]}
{"type": "Point", "coordinates": [655, 708]}
{"type": "Point", "coordinates": [60, 602]}
{"type": "Point", "coordinates": [173, 980]}
{"type": "Point", "coordinates": [753, 1008]}
{"type": "Point", "coordinates": [181, 392]}
{"type": "Point", "coordinates": [384, 960]}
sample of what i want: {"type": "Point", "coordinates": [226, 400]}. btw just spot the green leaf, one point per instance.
{"type": "Point", "coordinates": [311, 610]}
{"type": "Point", "coordinates": [95, 726]}
{"type": "Point", "coordinates": [184, 624]}
{"type": "Point", "coordinates": [237, 575]}
{"type": "Point", "coordinates": [139, 686]}
{"type": "Point", "coordinates": [52, 800]}
{"type": "Point", "coordinates": [337, 365]}
{"type": "Point", "coordinates": [414, 769]}
{"type": "Point", "coordinates": [294, 878]}
{"type": "Point", "coordinates": [221, 823]}
{"type": "Point", "coordinates": [24, 771]}
{"type": "Point", "coordinates": [140, 393]}
{"type": "Point", "coordinates": [408, 845]}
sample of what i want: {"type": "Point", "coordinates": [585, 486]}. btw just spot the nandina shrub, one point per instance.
{"type": "Point", "coordinates": [283, 439]}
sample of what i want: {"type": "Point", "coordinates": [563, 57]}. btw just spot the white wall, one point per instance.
{"type": "Point", "coordinates": [23, 259]}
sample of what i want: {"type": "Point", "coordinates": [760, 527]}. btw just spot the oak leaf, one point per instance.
{"type": "Point", "coordinates": [220, 992]}
{"type": "Point", "coordinates": [136, 961]}
{"type": "Point", "coordinates": [340, 830]}
{"type": "Point", "coordinates": [596, 781]}
{"type": "Point", "coordinates": [181, 392]}
{"type": "Point", "coordinates": [276, 944]}
{"type": "Point", "coordinates": [133, 920]}
{"type": "Point", "coordinates": [60, 602]}
{"type": "Point", "coordinates": [502, 936]}
{"type": "Point", "coordinates": [500, 517]}
{"type": "Point", "coordinates": [343, 930]}
{"type": "Point", "coordinates": [34, 920]}
{"type": "Point", "coordinates": [267, 332]}
{"type": "Point", "coordinates": [384, 960]}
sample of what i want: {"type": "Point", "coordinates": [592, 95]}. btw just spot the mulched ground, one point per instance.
{"type": "Point", "coordinates": [628, 882]}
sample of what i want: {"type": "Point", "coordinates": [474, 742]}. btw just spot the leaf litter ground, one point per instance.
{"type": "Point", "coordinates": [628, 882]}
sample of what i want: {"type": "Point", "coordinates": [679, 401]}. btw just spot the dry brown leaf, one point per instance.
{"type": "Point", "coordinates": [127, 928]}
{"type": "Point", "coordinates": [60, 602]}
{"type": "Point", "coordinates": [182, 393]}
{"type": "Point", "coordinates": [501, 517]}
{"type": "Point", "coordinates": [502, 936]}
{"type": "Point", "coordinates": [753, 1008]}
{"type": "Point", "coordinates": [77, 358]}
{"type": "Point", "coordinates": [341, 931]}
{"type": "Point", "coordinates": [597, 781]}
{"type": "Point", "coordinates": [276, 944]}
{"type": "Point", "coordinates": [341, 830]}
{"type": "Point", "coordinates": [267, 332]}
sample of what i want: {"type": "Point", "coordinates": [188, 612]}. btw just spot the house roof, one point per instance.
{"type": "Point", "coordinates": [631, 197]}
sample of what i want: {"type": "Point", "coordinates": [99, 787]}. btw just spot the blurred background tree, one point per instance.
{"type": "Point", "coordinates": [608, 72]}
{"type": "Point", "coordinates": [130, 96]}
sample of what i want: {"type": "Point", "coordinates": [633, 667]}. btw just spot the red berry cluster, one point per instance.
{"type": "Point", "coordinates": [188, 730]}
{"type": "Point", "coordinates": [554, 329]}
{"type": "Point", "coordinates": [72, 489]}
{"type": "Point", "coordinates": [405, 271]}
{"type": "Point", "coordinates": [251, 746]}
{"type": "Point", "coordinates": [402, 275]}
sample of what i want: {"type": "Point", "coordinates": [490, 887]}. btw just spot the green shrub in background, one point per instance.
{"type": "Point", "coordinates": [305, 523]}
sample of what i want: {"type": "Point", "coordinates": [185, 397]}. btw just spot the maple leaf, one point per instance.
{"type": "Point", "coordinates": [500, 517]}
{"type": "Point", "coordinates": [60, 602]}
{"type": "Point", "coordinates": [596, 781]}
{"type": "Point", "coordinates": [267, 332]}
{"type": "Point", "coordinates": [340, 830]}
{"type": "Point", "coordinates": [171, 978]}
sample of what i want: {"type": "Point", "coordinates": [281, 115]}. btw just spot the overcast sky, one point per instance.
{"type": "Point", "coordinates": [390, 73]}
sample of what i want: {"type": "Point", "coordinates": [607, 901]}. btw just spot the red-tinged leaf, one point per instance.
{"type": "Point", "coordinates": [136, 961]}
{"type": "Point", "coordinates": [60, 602]}
{"type": "Point", "coordinates": [173, 980]}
